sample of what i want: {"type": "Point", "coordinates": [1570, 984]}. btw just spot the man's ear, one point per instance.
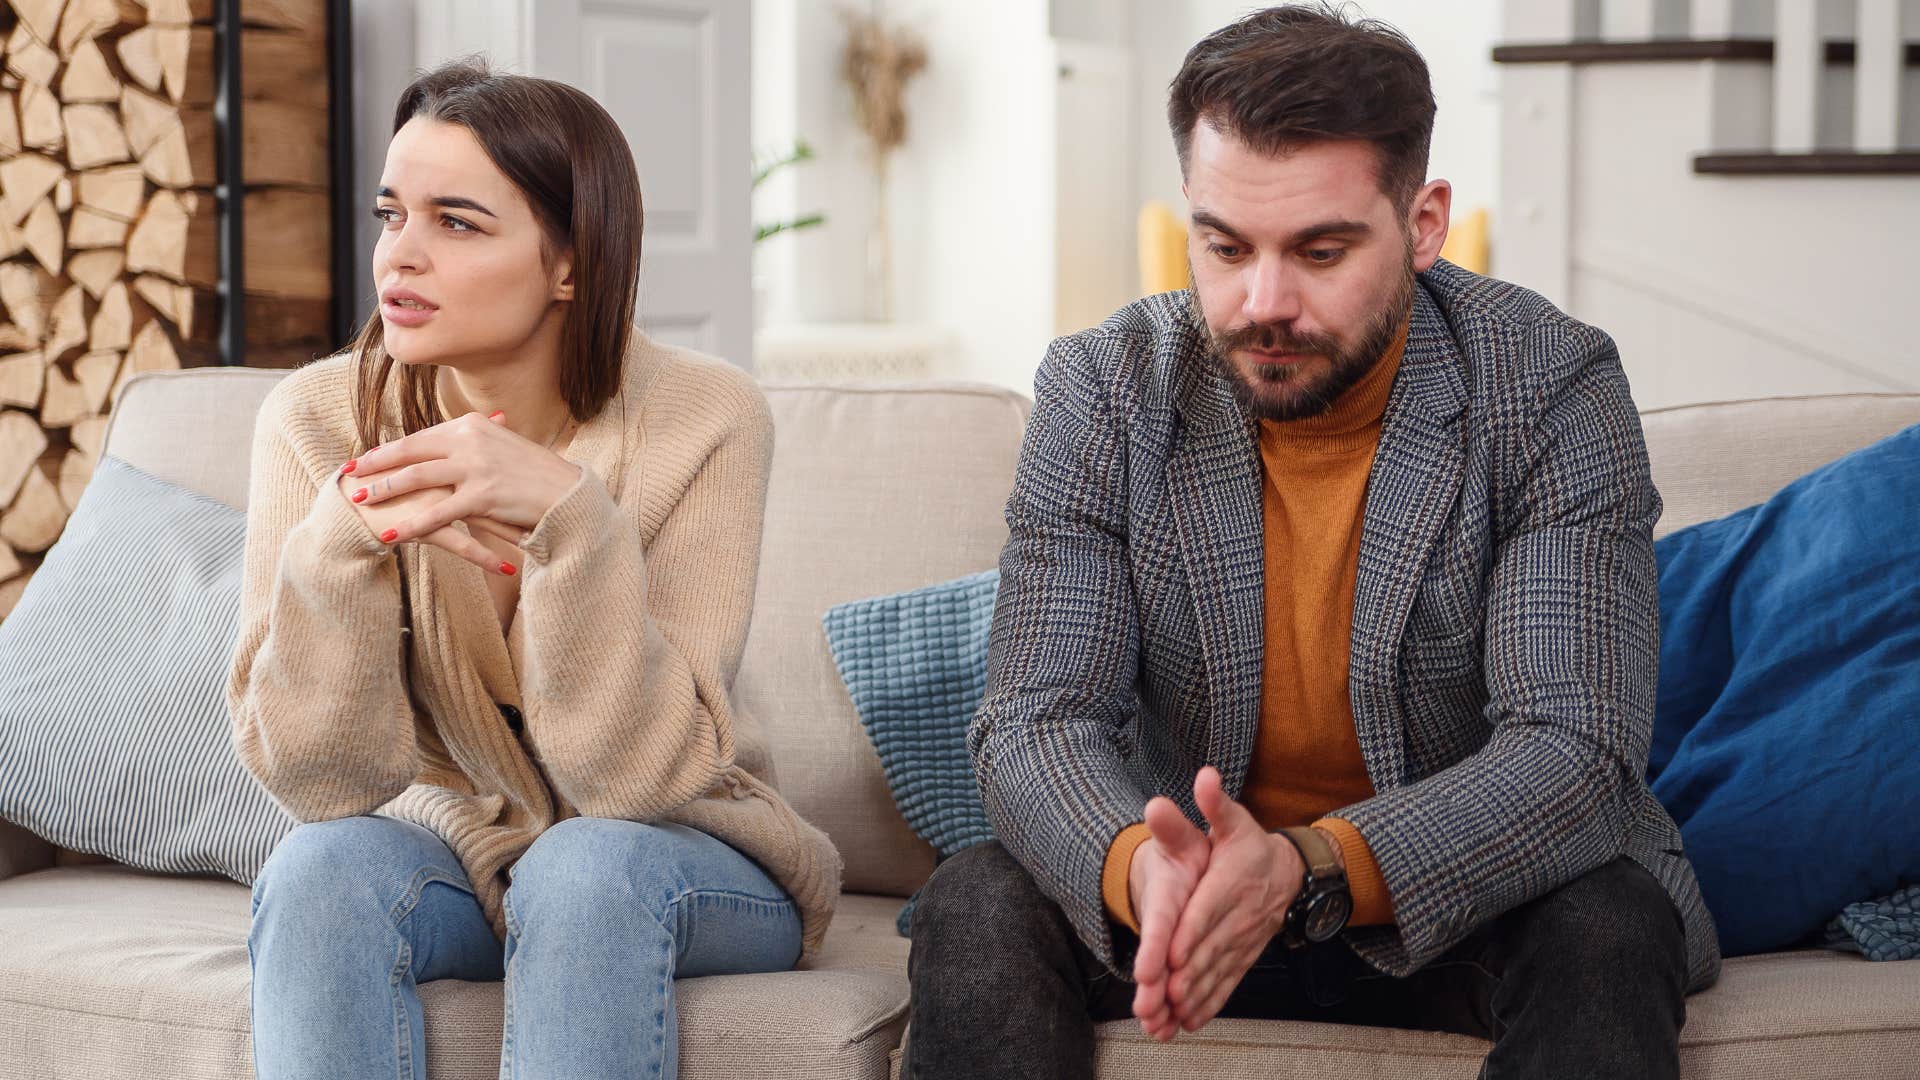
{"type": "Point", "coordinates": [563, 278]}
{"type": "Point", "coordinates": [1427, 222]}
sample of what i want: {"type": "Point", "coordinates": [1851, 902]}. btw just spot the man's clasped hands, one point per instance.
{"type": "Point", "coordinates": [1208, 903]}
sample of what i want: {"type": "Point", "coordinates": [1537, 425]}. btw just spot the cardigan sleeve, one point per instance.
{"type": "Point", "coordinates": [631, 648]}
{"type": "Point", "coordinates": [316, 690]}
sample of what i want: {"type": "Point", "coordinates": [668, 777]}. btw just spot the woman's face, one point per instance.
{"type": "Point", "coordinates": [459, 268]}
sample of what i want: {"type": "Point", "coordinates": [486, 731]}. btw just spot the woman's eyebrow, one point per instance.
{"type": "Point", "coordinates": [450, 202]}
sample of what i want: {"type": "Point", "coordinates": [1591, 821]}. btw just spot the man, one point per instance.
{"type": "Point", "coordinates": [1344, 558]}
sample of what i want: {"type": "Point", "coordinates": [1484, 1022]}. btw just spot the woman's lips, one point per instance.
{"type": "Point", "coordinates": [397, 314]}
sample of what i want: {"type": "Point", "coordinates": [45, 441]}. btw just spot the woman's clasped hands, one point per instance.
{"type": "Point", "coordinates": [471, 470]}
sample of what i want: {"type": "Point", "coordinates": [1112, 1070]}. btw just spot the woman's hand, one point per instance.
{"type": "Point", "coordinates": [468, 470]}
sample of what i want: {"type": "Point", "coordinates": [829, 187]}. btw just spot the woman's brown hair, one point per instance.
{"type": "Point", "coordinates": [569, 159]}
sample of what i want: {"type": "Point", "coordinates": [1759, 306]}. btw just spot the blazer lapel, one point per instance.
{"type": "Point", "coordinates": [1416, 475]}
{"type": "Point", "coordinates": [1213, 484]}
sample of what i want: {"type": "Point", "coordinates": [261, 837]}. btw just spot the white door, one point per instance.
{"type": "Point", "coordinates": [674, 75]}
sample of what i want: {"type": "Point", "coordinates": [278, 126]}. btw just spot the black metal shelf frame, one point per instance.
{"type": "Point", "coordinates": [230, 191]}
{"type": "Point", "coordinates": [231, 188]}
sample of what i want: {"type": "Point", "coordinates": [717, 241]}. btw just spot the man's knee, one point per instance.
{"type": "Point", "coordinates": [1615, 919]}
{"type": "Point", "coordinates": [983, 895]}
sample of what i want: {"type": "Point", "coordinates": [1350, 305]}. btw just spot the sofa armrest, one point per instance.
{"type": "Point", "coordinates": [21, 851]}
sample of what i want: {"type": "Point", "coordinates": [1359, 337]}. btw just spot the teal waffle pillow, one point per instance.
{"type": "Point", "coordinates": [915, 665]}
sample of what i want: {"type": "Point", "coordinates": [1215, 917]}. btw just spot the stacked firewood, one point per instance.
{"type": "Point", "coordinates": [109, 224]}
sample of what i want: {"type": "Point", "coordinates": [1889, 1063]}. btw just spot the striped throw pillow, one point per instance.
{"type": "Point", "coordinates": [114, 733]}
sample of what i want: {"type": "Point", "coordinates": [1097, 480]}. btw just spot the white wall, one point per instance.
{"type": "Point", "coordinates": [814, 275]}
{"type": "Point", "coordinates": [973, 207]}
{"type": "Point", "coordinates": [969, 194]}
{"type": "Point", "coordinates": [972, 197]}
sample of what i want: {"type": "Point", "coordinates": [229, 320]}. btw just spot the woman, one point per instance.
{"type": "Point", "coordinates": [486, 659]}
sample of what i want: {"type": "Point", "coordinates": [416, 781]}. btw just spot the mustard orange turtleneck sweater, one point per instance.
{"type": "Point", "coordinates": [1306, 756]}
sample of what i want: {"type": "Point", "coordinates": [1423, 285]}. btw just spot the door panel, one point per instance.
{"type": "Point", "coordinates": [673, 74]}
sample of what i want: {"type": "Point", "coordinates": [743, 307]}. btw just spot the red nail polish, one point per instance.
{"type": "Point", "coordinates": [387, 537]}
{"type": "Point", "coordinates": [496, 414]}
{"type": "Point", "coordinates": [507, 568]}
{"type": "Point", "coordinates": [360, 496]}
{"type": "Point", "coordinates": [350, 466]}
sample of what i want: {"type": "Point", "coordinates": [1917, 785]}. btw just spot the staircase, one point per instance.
{"type": "Point", "coordinates": [1731, 188]}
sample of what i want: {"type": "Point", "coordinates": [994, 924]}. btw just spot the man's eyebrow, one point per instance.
{"type": "Point", "coordinates": [1331, 228]}
{"type": "Point", "coordinates": [450, 202]}
{"type": "Point", "coordinates": [1206, 219]}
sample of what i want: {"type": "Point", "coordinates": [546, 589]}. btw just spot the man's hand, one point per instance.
{"type": "Point", "coordinates": [1160, 880]}
{"type": "Point", "coordinates": [1240, 903]}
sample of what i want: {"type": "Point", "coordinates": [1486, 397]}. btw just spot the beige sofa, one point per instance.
{"type": "Point", "coordinates": [107, 972]}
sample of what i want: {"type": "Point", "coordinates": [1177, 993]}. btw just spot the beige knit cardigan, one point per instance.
{"type": "Point", "coordinates": [636, 589]}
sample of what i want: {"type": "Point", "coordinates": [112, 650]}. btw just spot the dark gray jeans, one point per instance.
{"type": "Point", "coordinates": [1586, 981]}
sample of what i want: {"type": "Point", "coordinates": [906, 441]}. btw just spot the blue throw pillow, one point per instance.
{"type": "Point", "coordinates": [114, 732]}
{"type": "Point", "coordinates": [1789, 700]}
{"type": "Point", "coordinates": [915, 665]}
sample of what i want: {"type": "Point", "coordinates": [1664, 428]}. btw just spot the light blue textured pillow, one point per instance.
{"type": "Point", "coordinates": [915, 665]}
{"type": "Point", "coordinates": [114, 732]}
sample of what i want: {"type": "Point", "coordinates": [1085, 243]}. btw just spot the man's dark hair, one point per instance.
{"type": "Point", "coordinates": [1286, 76]}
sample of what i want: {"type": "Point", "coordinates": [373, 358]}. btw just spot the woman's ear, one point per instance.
{"type": "Point", "coordinates": [563, 278]}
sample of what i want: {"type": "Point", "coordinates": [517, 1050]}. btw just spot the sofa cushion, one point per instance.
{"type": "Point", "coordinates": [875, 489]}
{"type": "Point", "coordinates": [1778, 1016]}
{"type": "Point", "coordinates": [113, 972]}
{"type": "Point", "coordinates": [1710, 460]}
{"type": "Point", "coordinates": [155, 410]}
{"type": "Point", "coordinates": [110, 972]}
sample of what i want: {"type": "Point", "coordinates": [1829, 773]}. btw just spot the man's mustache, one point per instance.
{"type": "Point", "coordinates": [1275, 337]}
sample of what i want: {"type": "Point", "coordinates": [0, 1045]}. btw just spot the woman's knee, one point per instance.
{"type": "Point", "coordinates": [352, 862]}
{"type": "Point", "coordinates": [589, 864]}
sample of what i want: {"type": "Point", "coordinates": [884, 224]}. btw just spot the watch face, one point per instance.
{"type": "Point", "coordinates": [1326, 914]}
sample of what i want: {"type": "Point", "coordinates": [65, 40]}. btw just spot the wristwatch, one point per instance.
{"type": "Point", "coordinates": [1324, 904]}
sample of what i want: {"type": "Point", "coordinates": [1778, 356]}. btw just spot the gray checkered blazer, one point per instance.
{"type": "Point", "coordinates": [1505, 619]}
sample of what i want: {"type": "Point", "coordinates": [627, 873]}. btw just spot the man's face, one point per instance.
{"type": "Point", "coordinates": [1302, 267]}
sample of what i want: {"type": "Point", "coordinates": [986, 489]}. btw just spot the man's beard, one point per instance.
{"type": "Point", "coordinates": [1311, 396]}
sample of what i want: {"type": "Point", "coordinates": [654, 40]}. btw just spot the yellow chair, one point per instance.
{"type": "Point", "coordinates": [1466, 245]}
{"type": "Point", "coordinates": [1163, 249]}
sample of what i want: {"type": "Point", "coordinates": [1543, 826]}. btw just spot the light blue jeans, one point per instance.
{"type": "Point", "coordinates": [350, 915]}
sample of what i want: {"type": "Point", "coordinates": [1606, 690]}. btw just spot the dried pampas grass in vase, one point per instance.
{"type": "Point", "coordinates": [877, 64]}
